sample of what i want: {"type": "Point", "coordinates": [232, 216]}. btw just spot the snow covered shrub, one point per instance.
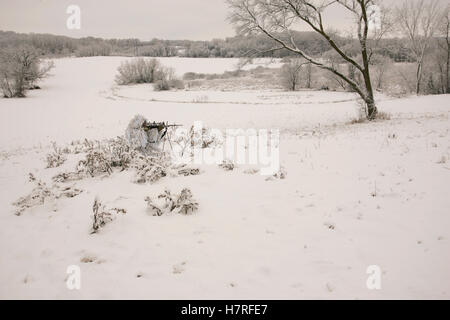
{"type": "Point", "coordinates": [131, 152]}
{"type": "Point", "coordinates": [358, 120]}
{"type": "Point", "coordinates": [251, 171]}
{"type": "Point", "coordinates": [162, 204]}
{"type": "Point", "coordinates": [176, 84]}
{"type": "Point", "coordinates": [151, 168]}
{"type": "Point", "coordinates": [150, 173]}
{"type": "Point", "coordinates": [204, 139]}
{"type": "Point", "coordinates": [121, 154]}
{"type": "Point", "coordinates": [142, 70]}
{"type": "Point", "coordinates": [210, 140]}
{"type": "Point", "coordinates": [20, 69]}
{"type": "Point", "coordinates": [280, 174]}
{"type": "Point", "coordinates": [188, 171]}
{"type": "Point", "coordinates": [67, 176]}
{"type": "Point", "coordinates": [56, 158]}
{"type": "Point", "coordinates": [165, 203]}
{"type": "Point", "coordinates": [102, 215]}
{"type": "Point", "coordinates": [185, 202]}
{"type": "Point", "coordinates": [103, 157]}
{"type": "Point", "coordinates": [161, 85]}
{"type": "Point", "coordinates": [95, 163]}
{"type": "Point", "coordinates": [186, 143]}
{"type": "Point", "coordinates": [154, 208]}
{"type": "Point", "coordinates": [166, 80]}
{"type": "Point", "coordinates": [139, 70]}
{"type": "Point", "coordinates": [193, 76]}
{"type": "Point", "coordinates": [78, 146]}
{"type": "Point", "coordinates": [35, 198]}
{"type": "Point", "coordinates": [42, 192]}
{"type": "Point", "coordinates": [67, 192]}
{"type": "Point", "coordinates": [227, 165]}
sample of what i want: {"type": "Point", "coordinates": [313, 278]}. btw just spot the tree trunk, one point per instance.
{"type": "Point", "coordinates": [309, 76]}
{"type": "Point", "coordinates": [448, 65]}
{"type": "Point", "coordinates": [370, 99]}
{"type": "Point", "coordinates": [418, 77]}
{"type": "Point", "coordinates": [371, 109]}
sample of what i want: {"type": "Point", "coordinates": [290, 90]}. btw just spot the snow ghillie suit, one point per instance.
{"type": "Point", "coordinates": [141, 139]}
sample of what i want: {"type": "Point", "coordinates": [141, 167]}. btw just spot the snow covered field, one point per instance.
{"type": "Point", "coordinates": [355, 195]}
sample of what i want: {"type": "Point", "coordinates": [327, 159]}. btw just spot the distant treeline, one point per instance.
{"type": "Point", "coordinates": [238, 46]}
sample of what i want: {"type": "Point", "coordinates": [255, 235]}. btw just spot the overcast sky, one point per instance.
{"type": "Point", "coordinates": [143, 19]}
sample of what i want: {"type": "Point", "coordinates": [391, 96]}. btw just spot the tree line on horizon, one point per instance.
{"type": "Point", "coordinates": [239, 46]}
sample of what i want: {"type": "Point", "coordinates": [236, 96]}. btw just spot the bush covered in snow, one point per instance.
{"type": "Point", "coordinates": [42, 192]}
{"type": "Point", "coordinates": [280, 174]}
{"type": "Point", "coordinates": [195, 139]}
{"type": "Point", "coordinates": [102, 215]}
{"type": "Point", "coordinates": [55, 158]}
{"type": "Point", "coordinates": [142, 70]}
{"type": "Point", "coordinates": [138, 70]}
{"type": "Point", "coordinates": [103, 157]}
{"type": "Point", "coordinates": [167, 80]}
{"type": "Point", "coordinates": [165, 203]}
{"type": "Point", "coordinates": [227, 165]}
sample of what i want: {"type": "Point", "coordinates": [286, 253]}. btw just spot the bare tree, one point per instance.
{"type": "Point", "coordinates": [309, 75]}
{"type": "Point", "coordinates": [291, 73]}
{"type": "Point", "coordinates": [418, 21]}
{"type": "Point", "coordinates": [277, 18]}
{"type": "Point", "coordinates": [381, 65]}
{"type": "Point", "coordinates": [444, 31]}
{"type": "Point", "coordinates": [20, 69]}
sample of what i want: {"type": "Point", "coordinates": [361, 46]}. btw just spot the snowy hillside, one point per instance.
{"type": "Point", "coordinates": [355, 195]}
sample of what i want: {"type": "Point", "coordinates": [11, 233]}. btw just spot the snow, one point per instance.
{"type": "Point", "coordinates": [355, 195]}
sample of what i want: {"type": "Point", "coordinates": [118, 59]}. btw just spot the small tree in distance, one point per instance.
{"type": "Point", "coordinates": [418, 22]}
{"type": "Point", "coordinates": [444, 32]}
{"type": "Point", "coordinates": [20, 69]}
{"type": "Point", "coordinates": [291, 74]}
{"type": "Point", "coordinates": [381, 65]}
{"type": "Point", "coordinates": [277, 18]}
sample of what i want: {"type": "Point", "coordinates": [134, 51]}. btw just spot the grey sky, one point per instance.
{"type": "Point", "coordinates": [143, 19]}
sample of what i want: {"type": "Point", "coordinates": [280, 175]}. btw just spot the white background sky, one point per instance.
{"type": "Point", "coordinates": [143, 19]}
